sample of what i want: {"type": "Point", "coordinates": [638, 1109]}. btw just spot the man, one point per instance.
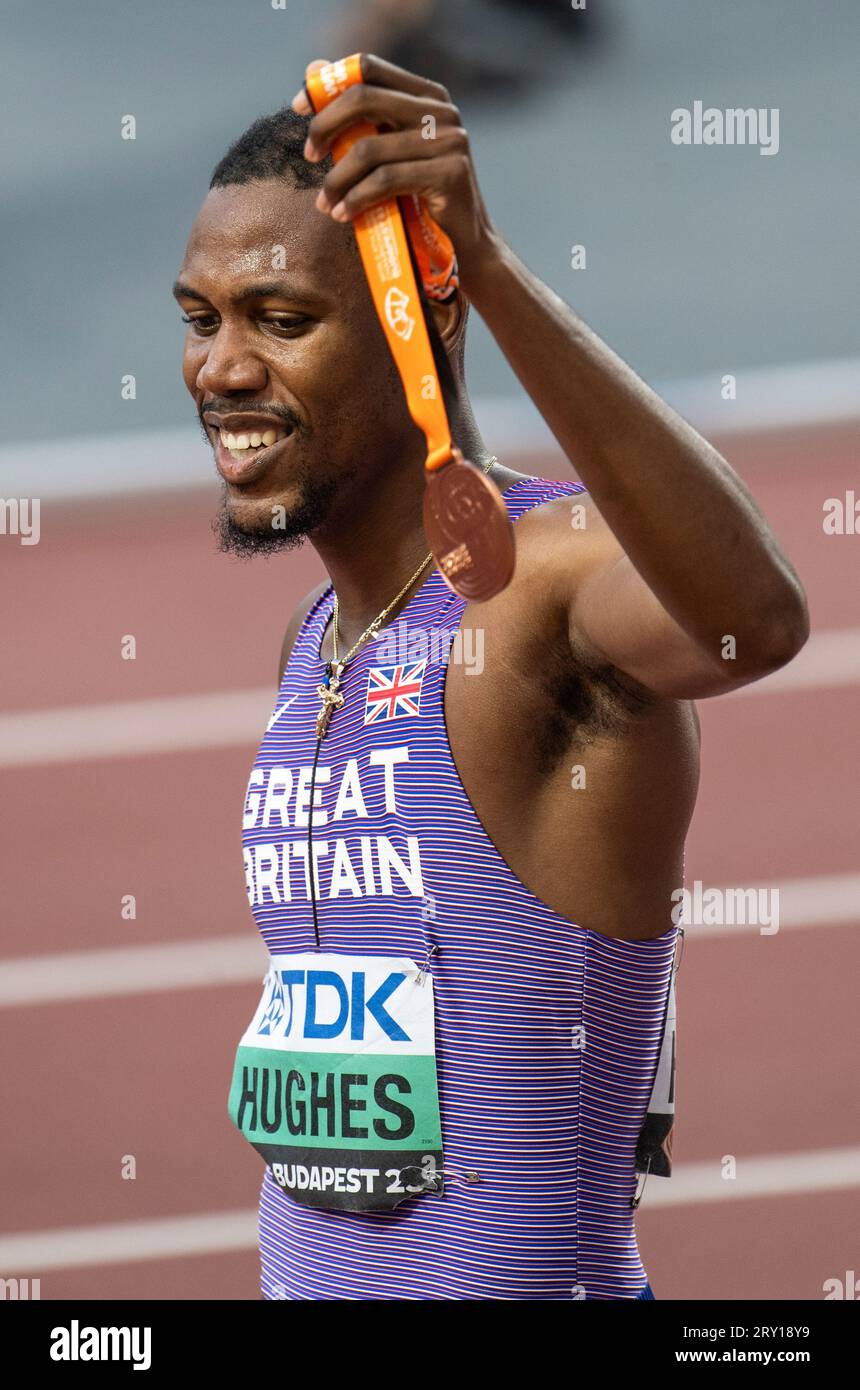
{"type": "Point", "coordinates": [465, 878]}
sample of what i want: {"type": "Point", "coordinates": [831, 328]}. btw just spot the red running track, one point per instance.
{"type": "Point", "coordinates": [768, 1030]}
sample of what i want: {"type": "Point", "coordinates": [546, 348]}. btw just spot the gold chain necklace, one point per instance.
{"type": "Point", "coordinates": [329, 692]}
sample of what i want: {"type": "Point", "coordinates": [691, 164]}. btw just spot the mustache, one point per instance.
{"type": "Point", "coordinates": [275, 409]}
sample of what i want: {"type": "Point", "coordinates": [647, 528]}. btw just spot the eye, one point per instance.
{"type": "Point", "coordinates": [203, 323]}
{"type": "Point", "coordinates": [288, 324]}
{"type": "Point", "coordinates": [284, 325]}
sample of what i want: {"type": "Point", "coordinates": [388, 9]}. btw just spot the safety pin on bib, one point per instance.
{"type": "Point", "coordinates": [419, 978]}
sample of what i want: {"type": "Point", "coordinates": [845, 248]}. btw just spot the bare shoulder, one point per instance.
{"type": "Point", "coordinates": [568, 530]}
{"type": "Point", "coordinates": [559, 544]}
{"type": "Point", "coordinates": [300, 613]}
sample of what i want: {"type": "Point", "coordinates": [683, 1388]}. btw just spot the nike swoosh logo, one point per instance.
{"type": "Point", "coordinates": [278, 712]}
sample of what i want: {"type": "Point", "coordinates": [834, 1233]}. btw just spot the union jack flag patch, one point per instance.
{"type": "Point", "coordinates": [393, 691]}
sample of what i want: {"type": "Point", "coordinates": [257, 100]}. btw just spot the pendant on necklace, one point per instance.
{"type": "Point", "coordinates": [329, 693]}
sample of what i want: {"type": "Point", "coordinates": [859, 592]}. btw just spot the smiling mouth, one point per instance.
{"type": "Point", "coordinates": [250, 442]}
{"type": "Point", "coordinates": [244, 457]}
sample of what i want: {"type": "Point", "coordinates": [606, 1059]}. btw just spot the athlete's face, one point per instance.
{"type": "Point", "coordinates": [284, 337]}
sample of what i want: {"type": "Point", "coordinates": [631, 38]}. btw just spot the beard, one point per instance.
{"type": "Point", "coordinates": [275, 527]}
{"type": "Point", "coordinates": [278, 528]}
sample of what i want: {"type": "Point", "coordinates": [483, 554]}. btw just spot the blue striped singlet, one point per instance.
{"type": "Point", "coordinates": [547, 1033]}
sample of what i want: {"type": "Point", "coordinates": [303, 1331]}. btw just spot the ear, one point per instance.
{"type": "Point", "coordinates": [450, 318]}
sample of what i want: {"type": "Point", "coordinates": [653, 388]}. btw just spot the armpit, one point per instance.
{"type": "Point", "coordinates": [586, 700]}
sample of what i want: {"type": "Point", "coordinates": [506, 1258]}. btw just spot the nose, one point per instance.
{"type": "Point", "coordinates": [229, 365]}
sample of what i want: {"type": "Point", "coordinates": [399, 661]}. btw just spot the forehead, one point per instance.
{"type": "Point", "coordinates": [266, 228]}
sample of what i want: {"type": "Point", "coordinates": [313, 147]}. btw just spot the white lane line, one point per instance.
{"type": "Point", "coordinates": [828, 659]}
{"type": "Point", "coordinates": [772, 1175]}
{"type": "Point", "coordinates": [179, 723]}
{"type": "Point", "coordinates": [824, 900]}
{"type": "Point", "coordinates": [804, 394]}
{"type": "Point", "coordinates": [127, 1242]}
{"type": "Point", "coordinates": [820, 901]}
{"type": "Point", "coordinates": [103, 974]}
{"type": "Point", "coordinates": [775, 398]}
{"type": "Point", "coordinates": [128, 728]}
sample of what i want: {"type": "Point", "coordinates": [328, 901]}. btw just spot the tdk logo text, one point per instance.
{"type": "Point", "coordinates": [331, 1009]}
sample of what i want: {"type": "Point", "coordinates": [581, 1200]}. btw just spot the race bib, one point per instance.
{"type": "Point", "coordinates": [654, 1145]}
{"type": "Point", "coordinates": [335, 1081]}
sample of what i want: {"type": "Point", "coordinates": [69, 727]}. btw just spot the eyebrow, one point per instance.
{"type": "Point", "coordinates": [265, 289]}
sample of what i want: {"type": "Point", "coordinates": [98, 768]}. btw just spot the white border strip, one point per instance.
{"type": "Point", "coordinates": [106, 465]}
{"type": "Point", "coordinates": [829, 659]}
{"type": "Point", "coordinates": [768, 398]}
{"type": "Point", "coordinates": [824, 900]}
{"type": "Point", "coordinates": [820, 901]}
{"type": "Point", "coordinates": [771, 398]}
{"type": "Point", "coordinates": [130, 1242]}
{"type": "Point", "coordinates": [130, 728]}
{"type": "Point", "coordinates": [773, 1175]}
{"type": "Point", "coordinates": [117, 970]}
{"type": "Point", "coordinates": [179, 723]}
{"type": "Point", "coordinates": [127, 1242]}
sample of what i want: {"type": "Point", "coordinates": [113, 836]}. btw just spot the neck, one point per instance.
{"type": "Point", "coordinates": [376, 540]}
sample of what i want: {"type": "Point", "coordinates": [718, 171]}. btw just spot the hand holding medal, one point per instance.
{"type": "Point", "coordinates": [465, 518]}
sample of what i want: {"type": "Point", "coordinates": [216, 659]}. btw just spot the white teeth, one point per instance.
{"type": "Point", "coordinates": [240, 442]}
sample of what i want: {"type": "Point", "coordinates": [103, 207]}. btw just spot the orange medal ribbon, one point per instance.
{"type": "Point", "coordinates": [469, 529]}
{"type": "Point", "coordinates": [381, 238]}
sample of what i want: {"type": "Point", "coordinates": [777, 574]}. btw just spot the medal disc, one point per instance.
{"type": "Point", "coordinates": [468, 530]}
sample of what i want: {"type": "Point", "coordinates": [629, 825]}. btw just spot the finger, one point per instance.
{"type": "Point", "coordinates": [373, 151]}
{"type": "Point", "coordinates": [378, 106]}
{"type": "Point", "coordinates": [378, 72]}
{"type": "Point", "coordinates": [300, 101]}
{"type": "Point", "coordinates": [393, 180]}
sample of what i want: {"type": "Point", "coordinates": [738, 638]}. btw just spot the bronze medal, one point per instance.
{"type": "Point", "coordinates": [468, 530]}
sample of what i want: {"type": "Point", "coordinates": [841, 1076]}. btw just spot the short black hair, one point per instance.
{"type": "Point", "coordinates": [270, 148]}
